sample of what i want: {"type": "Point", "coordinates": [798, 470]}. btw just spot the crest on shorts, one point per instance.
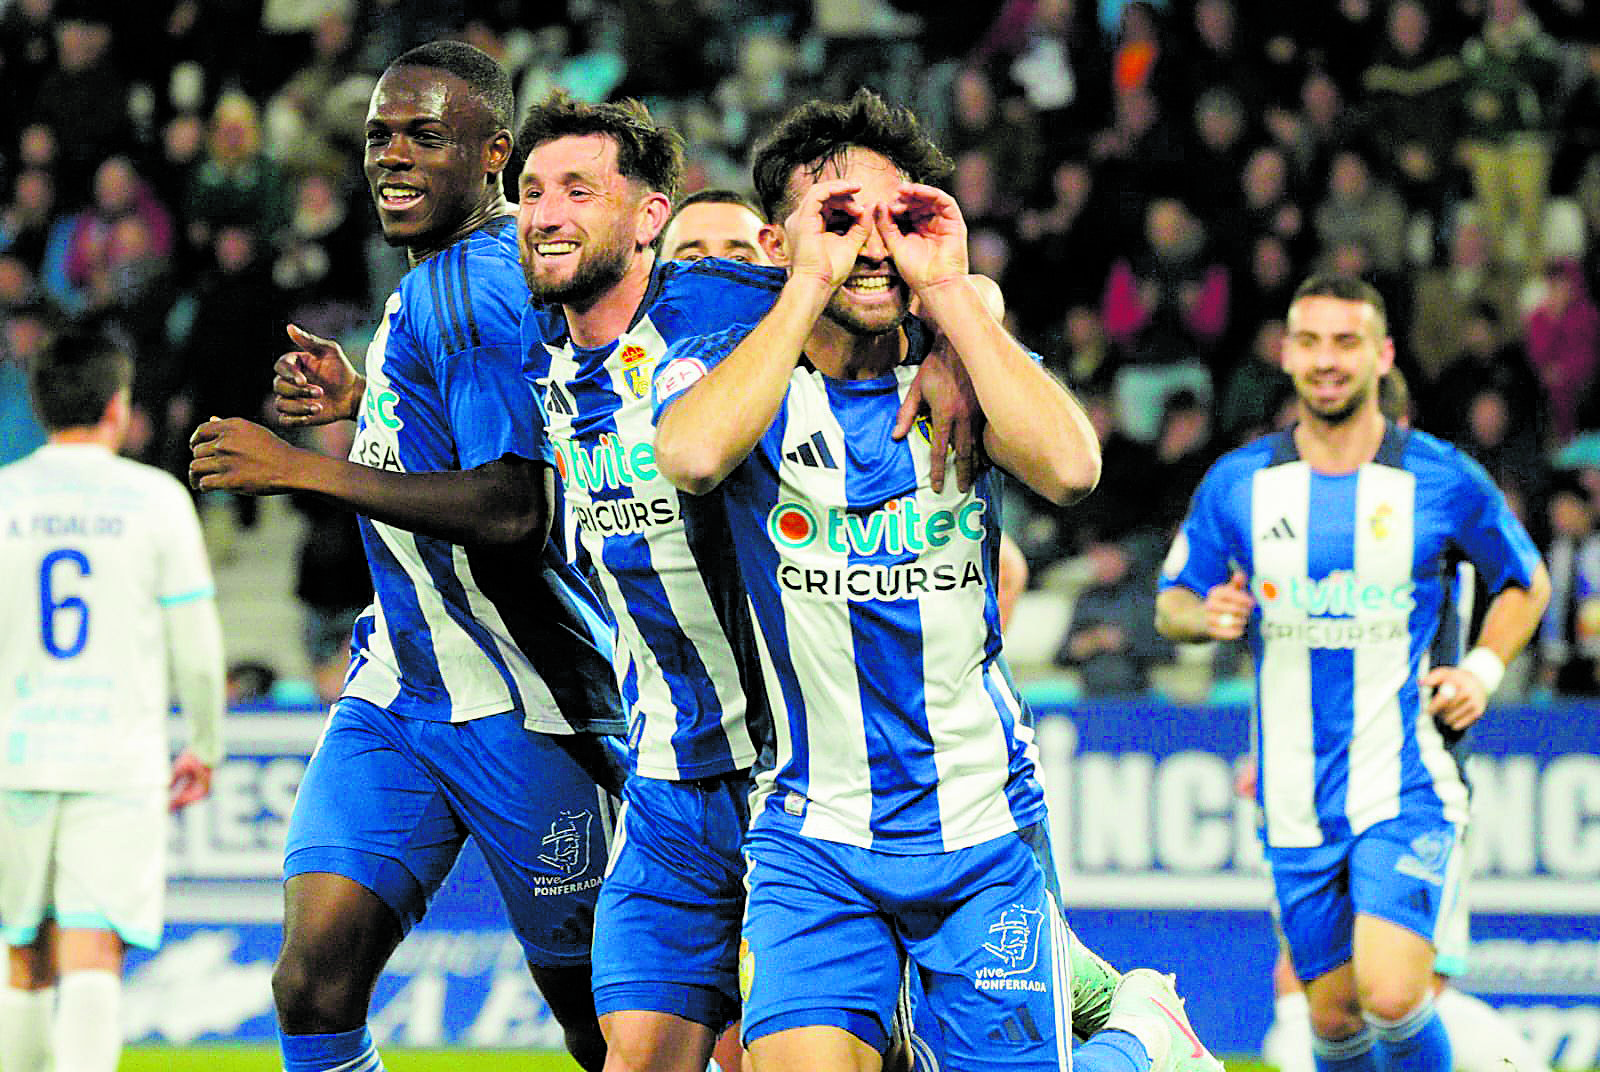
{"type": "Point", "coordinates": [1014, 938]}
{"type": "Point", "coordinates": [566, 846]}
{"type": "Point", "coordinates": [1429, 854]}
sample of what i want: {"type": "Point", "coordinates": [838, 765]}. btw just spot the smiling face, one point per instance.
{"type": "Point", "coordinates": [580, 222]}
{"type": "Point", "coordinates": [1335, 352]}
{"type": "Point", "coordinates": [431, 146]}
{"type": "Point", "coordinates": [873, 299]}
{"type": "Point", "coordinates": [714, 229]}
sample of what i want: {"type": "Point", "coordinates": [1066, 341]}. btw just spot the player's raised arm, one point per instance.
{"type": "Point", "coordinates": [1034, 428]}
{"type": "Point", "coordinates": [713, 426]}
{"type": "Point", "coordinates": [502, 501]}
{"type": "Point", "coordinates": [315, 383]}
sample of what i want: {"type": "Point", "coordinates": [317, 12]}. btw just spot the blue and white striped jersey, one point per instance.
{"type": "Point", "coordinates": [897, 725]}
{"type": "Point", "coordinates": [1350, 574]}
{"type": "Point", "coordinates": [456, 633]}
{"type": "Point", "coordinates": [664, 561]}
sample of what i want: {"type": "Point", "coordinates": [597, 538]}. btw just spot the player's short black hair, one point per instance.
{"type": "Point", "coordinates": [479, 70]}
{"type": "Point", "coordinates": [718, 195]}
{"type": "Point", "coordinates": [1345, 288]}
{"type": "Point", "coordinates": [1394, 395]}
{"type": "Point", "coordinates": [647, 152]}
{"type": "Point", "coordinates": [74, 378]}
{"type": "Point", "coordinates": [819, 132]}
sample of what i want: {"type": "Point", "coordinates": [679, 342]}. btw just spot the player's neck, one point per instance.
{"type": "Point", "coordinates": [842, 355]}
{"type": "Point", "coordinates": [1336, 448]}
{"type": "Point", "coordinates": [490, 209]}
{"type": "Point", "coordinates": [86, 435]}
{"type": "Point", "coordinates": [605, 319]}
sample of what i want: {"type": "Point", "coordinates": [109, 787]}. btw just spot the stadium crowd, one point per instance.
{"type": "Point", "coordinates": [1147, 181]}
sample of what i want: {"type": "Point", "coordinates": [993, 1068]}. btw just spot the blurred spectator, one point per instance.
{"type": "Point", "coordinates": [1112, 640]}
{"type": "Point", "coordinates": [1444, 295]}
{"type": "Point", "coordinates": [1257, 389]}
{"type": "Point", "coordinates": [1217, 159]}
{"type": "Point", "coordinates": [1490, 354]}
{"type": "Point", "coordinates": [1007, 133]}
{"type": "Point", "coordinates": [1185, 447]}
{"type": "Point", "coordinates": [26, 331]}
{"type": "Point", "coordinates": [84, 102]}
{"type": "Point", "coordinates": [1411, 91]}
{"type": "Point", "coordinates": [1051, 50]}
{"type": "Point", "coordinates": [26, 221]}
{"type": "Point", "coordinates": [1272, 205]}
{"type": "Point", "coordinates": [1563, 333]}
{"type": "Point", "coordinates": [1216, 54]}
{"type": "Point", "coordinates": [1359, 208]}
{"type": "Point", "coordinates": [322, 266]}
{"type": "Point", "coordinates": [1141, 153]}
{"type": "Point", "coordinates": [1164, 308]}
{"type": "Point", "coordinates": [18, 286]}
{"type": "Point", "coordinates": [235, 184]}
{"type": "Point", "coordinates": [1578, 128]}
{"type": "Point", "coordinates": [1509, 86]}
{"type": "Point", "coordinates": [1568, 644]}
{"type": "Point", "coordinates": [250, 682]}
{"type": "Point", "coordinates": [1063, 252]}
{"type": "Point", "coordinates": [27, 56]}
{"type": "Point", "coordinates": [1310, 134]}
{"type": "Point", "coordinates": [103, 252]}
{"type": "Point", "coordinates": [1520, 471]}
{"type": "Point", "coordinates": [313, 122]}
{"type": "Point", "coordinates": [1262, 295]}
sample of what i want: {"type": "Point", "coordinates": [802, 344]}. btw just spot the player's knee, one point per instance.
{"type": "Point", "coordinates": [312, 1000]}
{"type": "Point", "coordinates": [1390, 1001]}
{"type": "Point", "coordinates": [1337, 1022]}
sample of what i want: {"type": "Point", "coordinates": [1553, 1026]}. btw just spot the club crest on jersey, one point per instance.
{"type": "Point", "coordinates": [566, 846]}
{"type": "Point", "coordinates": [1382, 521]}
{"type": "Point", "coordinates": [1014, 942]}
{"type": "Point", "coordinates": [636, 366]}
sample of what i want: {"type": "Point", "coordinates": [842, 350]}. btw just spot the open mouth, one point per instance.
{"type": "Point", "coordinates": [558, 248]}
{"type": "Point", "coordinates": [398, 198]}
{"type": "Point", "coordinates": [868, 286]}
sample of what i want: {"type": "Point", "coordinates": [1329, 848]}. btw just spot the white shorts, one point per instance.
{"type": "Point", "coordinates": [96, 861]}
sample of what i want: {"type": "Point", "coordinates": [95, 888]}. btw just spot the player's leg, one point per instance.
{"type": "Point", "coordinates": [819, 963]}
{"type": "Point", "coordinates": [1481, 1037]}
{"type": "Point", "coordinates": [531, 803]}
{"type": "Point", "coordinates": [667, 925]}
{"type": "Point", "coordinates": [1405, 877]}
{"type": "Point", "coordinates": [371, 837]}
{"type": "Point", "coordinates": [1287, 1044]}
{"type": "Point", "coordinates": [87, 1034]}
{"type": "Point", "coordinates": [27, 1003]}
{"type": "Point", "coordinates": [1318, 921]}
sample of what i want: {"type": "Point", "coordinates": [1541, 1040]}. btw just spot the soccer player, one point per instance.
{"type": "Point", "coordinates": [1327, 542]}
{"type": "Point", "coordinates": [714, 223]}
{"type": "Point", "coordinates": [110, 597]}
{"type": "Point", "coordinates": [480, 629]}
{"type": "Point", "coordinates": [900, 813]}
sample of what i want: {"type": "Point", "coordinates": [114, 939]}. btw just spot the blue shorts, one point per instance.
{"type": "Point", "coordinates": [828, 925]}
{"type": "Point", "coordinates": [667, 931]}
{"type": "Point", "coordinates": [1406, 871]}
{"type": "Point", "coordinates": [387, 802]}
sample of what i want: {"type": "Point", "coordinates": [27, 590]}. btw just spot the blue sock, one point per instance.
{"type": "Point", "coordinates": [1415, 1043]}
{"type": "Point", "coordinates": [1111, 1051]}
{"type": "Point", "coordinates": [347, 1051]}
{"type": "Point", "coordinates": [1354, 1054]}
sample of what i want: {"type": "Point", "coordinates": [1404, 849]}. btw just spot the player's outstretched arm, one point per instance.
{"type": "Point", "coordinates": [502, 501]}
{"type": "Point", "coordinates": [1461, 692]}
{"type": "Point", "coordinates": [1034, 428]}
{"type": "Point", "coordinates": [315, 383]}
{"type": "Point", "coordinates": [714, 425]}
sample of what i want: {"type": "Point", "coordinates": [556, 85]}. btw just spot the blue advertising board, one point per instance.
{"type": "Point", "coordinates": [1159, 860]}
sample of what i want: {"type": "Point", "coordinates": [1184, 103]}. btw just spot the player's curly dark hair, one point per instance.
{"type": "Point", "coordinates": [647, 152]}
{"type": "Point", "coordinates": [819, 132]}
{"type": "Point", "coordinates": [479, 70]}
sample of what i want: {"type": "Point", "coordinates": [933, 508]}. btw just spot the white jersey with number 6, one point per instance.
{"type": "Point", "coordinates": [93, 547]}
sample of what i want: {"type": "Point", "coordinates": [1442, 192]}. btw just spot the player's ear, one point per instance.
{"type": "Point", "coordinates": [654, 212]}
{"type": "Point", "coordinates": [497, 153]}
{"type": "Point", "coordinates": [1385, 355]}
{"type": "Point", "coordinates": [771, 238]}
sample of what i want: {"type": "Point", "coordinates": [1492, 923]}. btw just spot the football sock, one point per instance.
{"type": "Point", "coordinates": [1353, 1054]}
{"type": "Point", "coordinates": [25, 1017]}
{"type": "Point", "coordinates": [1414, 1043]}
{"type": "Point", "coordinates": [1111, 1051]}
{"type": "Point", "coordinates": [1482, 1038]}
{"type": "Point", "coordinates": [345, 1051]}
{"type": "Point", "coordinates": [1094, 984]}
{"type": "Point", "coordinates": [1288, 1041]}
{"type": "Point", "coordinates": [88, 1024]}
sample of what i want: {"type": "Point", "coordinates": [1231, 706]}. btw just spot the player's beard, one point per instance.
{"type": "Point", "coordinates": [600, 269]}
{"type": "Point", "coordinates": [877, 321]}
{"type": "Point", "coordinates": [1345, 410]}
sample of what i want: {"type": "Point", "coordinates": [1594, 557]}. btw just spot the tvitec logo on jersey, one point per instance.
{"type": "Point", "coordinates": [896, 527]}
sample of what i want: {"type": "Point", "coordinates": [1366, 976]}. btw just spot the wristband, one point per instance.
{"type": "Point", "coordinates": [1486, 666]}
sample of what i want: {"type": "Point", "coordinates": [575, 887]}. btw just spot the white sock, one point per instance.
{"type": "Point", "coordinates": [25, 1028]}
{"type": "Point", "coordinates": [1288, 1041]}
{"type": "Point", "coordinates": [1482, 1039]}
{"type": "Point", "coordinates": [88, 1028]}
